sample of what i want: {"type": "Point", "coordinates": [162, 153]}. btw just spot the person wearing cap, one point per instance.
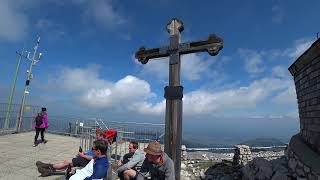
{"type": "Point", "coordinates": [41, 127]}
{"type": "Point", "coordinates": [157, 164]}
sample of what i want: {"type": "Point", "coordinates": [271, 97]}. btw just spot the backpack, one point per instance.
{"type": "Point", "coordinates": [39, 118]}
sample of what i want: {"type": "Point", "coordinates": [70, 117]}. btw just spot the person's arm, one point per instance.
{"type": "Point", "coordinates": [144, 171]}
{"type": "Point", "coordinates": [170, 174]}
{"type": "Point", "coordinates": [100, 171]}
{"type": "Point", "coordinates": [87, 157]}
{"type": "Point", "coordinates": [136, 158]}
{"type": "Point", "coordinates": [87, 171]}
{"type": "Point", "coordinates": [45, 119]}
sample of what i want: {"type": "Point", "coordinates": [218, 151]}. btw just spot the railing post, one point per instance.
{"type": "Point", "coordinates": [76, 128]}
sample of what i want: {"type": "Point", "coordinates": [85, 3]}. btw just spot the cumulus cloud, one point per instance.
{"type": "Point", "coordinates": [14, 22]}
{"type": "Point", "coordinates": [89, 89]}
{"type": "Point", "coordinates": [298, 48]}
{"type": "Point", "coordinates": [122, 94]}
{"type": "Point", "coordinates": [245, 97]}
{"type": "Point", "coordinates": [293, 114]}
{"type": "Point", "coordinates": [280, 71]}
{"type": "Point", "coordinates": [102, 12]}
{"type": "Point", "coordinates": [256, 61]}
{"type": "Point", "coordinates": [253, 60]}
{"type": "Point", "coordinates": [193, 67]}
{"type": "Point", "coordinates": [287, 97]}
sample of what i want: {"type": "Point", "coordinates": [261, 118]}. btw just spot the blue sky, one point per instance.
{"type": "Point", "coordinates": [88, 66]}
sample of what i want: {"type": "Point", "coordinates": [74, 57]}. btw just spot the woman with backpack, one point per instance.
{"type": "Point", "coordinates": [40, 124]}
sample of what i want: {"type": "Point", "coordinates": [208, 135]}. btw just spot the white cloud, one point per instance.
{"type": "Point", "coordinates": [122, 94]}
{"type": "Point", "coordinates": [253, 61]}
{"type": "Point", "coordinates": [149, 108]}
{"type": "Point", "coordinates": [193, 67]}
{"type": "Point", "coordinates": [299, 47]}
{"type": "Point", "coordinates": [293, 114]}
{"type": "Point", "coordinates": [287, 97]}
{"type": "Point", "coordinates": [280, 71]}
{"type": "Point", "coordinates": [102, 12]}
{"type": "Point", "coordinates": [204, 102]}
{"type": "Point", "coordinates": [80, 80]}
{"type": "Point", "coordinates": [131, 94]}
{"type": "Point", "coordinates": [14, 22]}
{"type": "Point", "coordinates": [90, 90]}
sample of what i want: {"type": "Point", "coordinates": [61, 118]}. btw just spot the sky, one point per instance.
{"type": "Point", "coordinates": [88, 67]}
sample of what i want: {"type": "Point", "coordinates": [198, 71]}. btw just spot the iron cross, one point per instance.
{"type": "Point", "coordinates": [174, 92]}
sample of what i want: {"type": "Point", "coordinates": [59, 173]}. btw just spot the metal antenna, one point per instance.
{"type": "Point", "coordinates": [34, 60]}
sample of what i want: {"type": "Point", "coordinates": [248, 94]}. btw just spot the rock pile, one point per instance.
{"type": "Point", "coordinates": [191, 170]}
{"type": "Point", "coordinates": [242, 155]}
{"type": "Point", "coordinates": [184, 153]}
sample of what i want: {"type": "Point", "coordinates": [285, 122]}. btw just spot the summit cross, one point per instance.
{"type": "Point", "coordinates": [174, 92]}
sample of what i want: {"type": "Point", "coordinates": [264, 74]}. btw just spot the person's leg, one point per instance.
{"type": "Point", "coordinates": [120, 175]}
{"type": "Point", "coordinates": [36, 136]}
{"type": "Point", "coordinates": [63, 165]}
{"type": "Point", "coordinates": [42, 134]}
{"type": "Point", "coordinates": [130, 173]}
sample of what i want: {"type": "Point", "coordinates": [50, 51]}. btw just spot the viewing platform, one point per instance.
{"type": "Point", "coordinates": [18, 156]}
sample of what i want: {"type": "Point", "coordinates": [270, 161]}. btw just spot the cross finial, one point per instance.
{"type": "Point", "coordinates": [175, 26]}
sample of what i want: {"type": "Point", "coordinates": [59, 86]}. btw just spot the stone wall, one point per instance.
{"type": "Point", "coordinates": [242, 155]}
{"type": "Point", "coordinates": [302, 160]}
{"type": "Point", "coordinates": [303, 153]}
{"type": "Point", "coordinates": [306, 73]}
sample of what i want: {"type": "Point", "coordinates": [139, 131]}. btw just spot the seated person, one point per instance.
{"type": "Point", "coordinates": [81, 160]}
{"type": "Point", "coordinates": [125, 158]}
{"type": "Point", "coordinates": [129, 170]}
{"type": "Point", "coordinates": [97, 168]}
{"type": "Point", "coordinates": [157, 164]}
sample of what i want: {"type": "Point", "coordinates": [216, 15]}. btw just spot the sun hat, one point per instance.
{"type": "Point", "coordinates": [154, 148]}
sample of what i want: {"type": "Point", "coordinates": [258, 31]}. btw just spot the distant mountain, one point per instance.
{"type": "Point", "coordinates": [220, 142]}
{"type": "Point", "coordinates": [263, 142]}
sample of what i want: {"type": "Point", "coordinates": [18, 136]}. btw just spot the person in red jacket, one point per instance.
{"type": "Point", "coordinates": [40, 124]}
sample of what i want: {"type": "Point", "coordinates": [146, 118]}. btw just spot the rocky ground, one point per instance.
{"type": "Point", "coordinates": [207, 166]}
{"type": "Point", "coordinates": [202, 155]}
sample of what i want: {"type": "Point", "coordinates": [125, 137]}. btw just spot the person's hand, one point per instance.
{"type": "Point", "coordinates": [81, 154]}
{"type": "Point", "coordinates": [119, 163]}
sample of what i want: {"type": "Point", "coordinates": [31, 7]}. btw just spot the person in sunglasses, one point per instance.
{"type": "Point", "coordinates": [81, 160]}
{"type": "Point", "coordinates": [97, 168]}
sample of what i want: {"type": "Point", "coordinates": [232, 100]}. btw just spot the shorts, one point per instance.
{"type": "Point", "coordinates": [120, 175]}
{"type": "Point", "coordinates": [79, 161]}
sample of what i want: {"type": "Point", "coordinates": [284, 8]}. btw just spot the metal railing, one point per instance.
{"type": "Point", "coordinates": [84, 128]}
{"type": "Point", "coordinates": [143, 133]}
{"type": "Point", "coordinates": [9, 120]}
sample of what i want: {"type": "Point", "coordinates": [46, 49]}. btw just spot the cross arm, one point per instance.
{"type": "Point", "coordinates": [212, 45]}
{"type": "Point", "coordinates": [143, 55]}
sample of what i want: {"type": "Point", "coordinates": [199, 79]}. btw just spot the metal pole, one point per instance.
{"type": "Point", "coordinates": [173, 120]}
{"type": "Point", "coordinates": [33, 61]}
{"type": "Point", "coordinates": [6, 123]}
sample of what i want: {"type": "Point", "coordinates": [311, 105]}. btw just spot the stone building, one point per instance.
{"type": "Point", "coordinates": [303, 153]}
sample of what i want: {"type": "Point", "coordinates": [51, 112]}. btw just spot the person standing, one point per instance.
{"type": "Point", "coordinates": [40, 124]}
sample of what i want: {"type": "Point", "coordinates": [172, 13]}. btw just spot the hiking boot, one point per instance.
{"type": "Point", "coordinates": [35, 144]}
{"type": "Point", "coordinates": [44, 141]}
{"type": "Point", "coordinates": [45, 165]}
{"type": "Point", "coordinates": [68, 175]}
{"type": "Point", "coordinates": [45, 172]}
